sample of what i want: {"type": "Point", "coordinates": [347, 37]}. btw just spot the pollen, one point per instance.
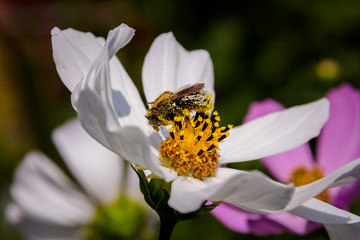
{"type": "Point", "coordinates": [193, 144]}
{"type": "Point", "coordinates": [301, 176]}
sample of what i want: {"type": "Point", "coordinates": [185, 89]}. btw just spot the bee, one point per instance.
{"type": "Point", "coordinates": [192, 97]}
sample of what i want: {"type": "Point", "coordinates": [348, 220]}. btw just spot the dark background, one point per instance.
{"type": "Point", "coordinates": [292, 51]}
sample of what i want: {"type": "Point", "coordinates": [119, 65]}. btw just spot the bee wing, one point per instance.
{"type": "Point", "coordinates": [186, 90]}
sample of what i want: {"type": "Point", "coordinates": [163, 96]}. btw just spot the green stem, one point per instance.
{"type": "Point", "coordinates": [167, 225]}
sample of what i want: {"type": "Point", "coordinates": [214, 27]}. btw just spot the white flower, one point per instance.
{"type": "Point", "coordinates": [111, 110]}
{"type": "Point", "coordinates": [48, 205]}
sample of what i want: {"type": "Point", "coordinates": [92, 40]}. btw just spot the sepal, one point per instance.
{"type": "Point", "coordinates": [157, 193]}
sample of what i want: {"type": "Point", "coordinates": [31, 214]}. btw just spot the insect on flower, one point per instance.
{"type": "Point", "coordinates": [169, 105]}
{"type": "Point", "coordinates": [127, 134]}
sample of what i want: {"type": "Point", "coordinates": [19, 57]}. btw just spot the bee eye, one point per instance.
{"type": "Point", "coordinates": [153, 121]}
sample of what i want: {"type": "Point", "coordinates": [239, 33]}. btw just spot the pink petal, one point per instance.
{"type": "Point", "coordinates": [259, 109]}
{"type": "Point", "coordinates": [239, 220]}
{"type": "Point", "coordinates": [339, 141]}
{"type": "Point", "coordinates": [345, 195]}
{"type": "Point", "coordinates": [281, 165]}
{"type": "Point", "coordinates": [294, 224]}
{"type": "Point", "coordinates": [234, 217]}
{"type": "Point", "coordinates": [266, 226]}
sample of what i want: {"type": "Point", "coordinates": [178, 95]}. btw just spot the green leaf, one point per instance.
{"type": "Point", "coordinates": [144, 188]}
{"type": "Point", "coordinates": [156, 189]}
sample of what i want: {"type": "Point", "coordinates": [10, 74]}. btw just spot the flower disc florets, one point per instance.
{"type": "Point", "coordinates": [301, 176]}
{"type": "Point", "coordinates": [192, 146]}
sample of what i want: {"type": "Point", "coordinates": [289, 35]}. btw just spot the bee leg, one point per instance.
{"type": "Point", "coordinates": [170, 116]}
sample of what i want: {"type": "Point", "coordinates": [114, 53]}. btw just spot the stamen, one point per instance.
{"type": "Point", "coordinates": [200, 152]}
{"type": "Point", "coordinates": [178, 123]}
{"type": "Point", "coordinates": [197, 115]}
{"type": "Point", "coordinates": [181, 135]}
{"type": "Point", "coordinates": [206, 123]}
{"type": "Point", "coordinates": [215, 126]}
{"type": "Point", "coordinates": [171, 131]}
{"type": "Point", "coordinates": [199, 136]}
{"type": "Point", "coordinates": [227, 128]}
{"type": "Point", "coordinates": [223, 136]}
{"type": "Point", "coordinates": [192, 146]}
{"type": "Point", "coordinates": [197, 124]}
{"type": "Point", "coordinates": [202, 115]}
{"type": "Point", "coordinates": [211, 147]}
{"type": "Point", "coordinates": [214, 135]}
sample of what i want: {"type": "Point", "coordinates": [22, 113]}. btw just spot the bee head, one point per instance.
{"type": "Point", "coordinates": [154, 122]}
{"type": "Point", "coordinates": [153, 119]}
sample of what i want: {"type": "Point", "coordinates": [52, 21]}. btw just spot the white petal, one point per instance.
{"type": "Point", "coordinates": [44, 193]}
{"type": "Point", "coordinates": [319, 211]}
{"type": "Point", "coordinates": [344, 175]}
{"type": "Point", "coordinates": [38, 230]}
{"type": "Point", "coordinates": [116, 95]}
{"type": "Point", "coordinates": [340, 224]}
{"type": "Point", "coordinates": [73, 49]}
{"type": "Point", "coordinates": [93, 115]}
{"type": "Point", "coordinates": [124, 97]}
{"type": "Point", "coordinates": [168, 66]}
{"type": "Point", "coordinates": [343, 231]}
{"type": "Point", "coordinates": [73, 53]}
{"type": "Point", "coordinates": [13, 213]}
{"type": "Point", "coordinates": [127, 103]}
{"type": "Point", "coordinates": [108, 104]}
{"type": "Point", "coordinates": [129, 142]}
{"type": "Point", "coordinates": [97, 169]}
{"type": "Point", "coordinates": [253, 191]}
{"type": "Point", "coordinates": [118, 38]}
{"type": "Point", "coordinates": [275, 133]}
{"type": "Point", "coordinates": [136, 147]}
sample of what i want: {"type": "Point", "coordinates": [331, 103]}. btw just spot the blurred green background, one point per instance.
{"type": "Point", "coordinates": [292, 51]}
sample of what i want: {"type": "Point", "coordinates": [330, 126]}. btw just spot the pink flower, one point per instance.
{"type": "Point", "coordinates": [338, 144]}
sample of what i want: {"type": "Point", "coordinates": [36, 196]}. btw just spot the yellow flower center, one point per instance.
{"type": "Point", "coordinates": [192, 146]}
{"type": "Point", "coordinates": [301, 176]}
